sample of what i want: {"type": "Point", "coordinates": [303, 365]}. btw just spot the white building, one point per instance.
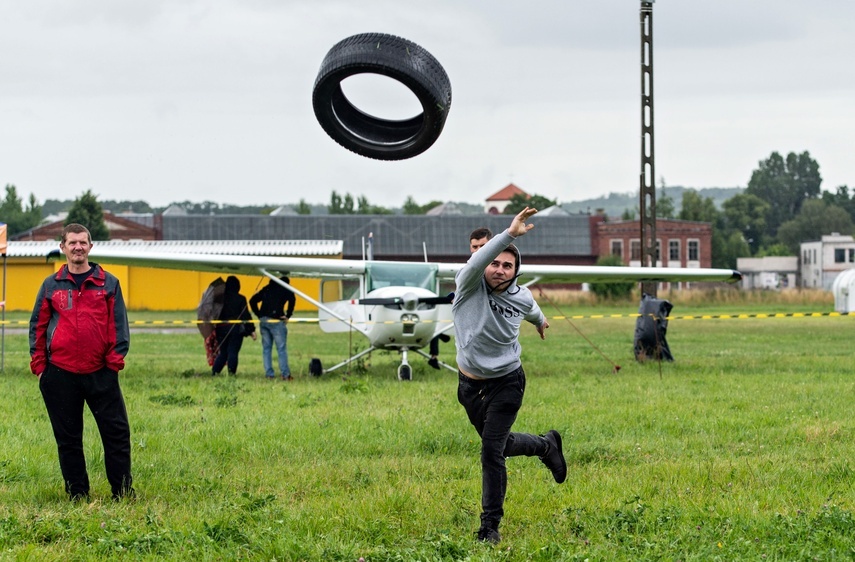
{"type": "Point", "coordinates": [769, 272]}
{"type": "Point", "coordinates": [822, 261]}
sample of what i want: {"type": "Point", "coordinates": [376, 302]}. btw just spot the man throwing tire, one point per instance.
{"type": "Point", "coordinates": [488, 309]}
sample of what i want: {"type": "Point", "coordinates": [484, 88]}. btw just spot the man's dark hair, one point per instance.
{"type": "Point", "coordinates": [77, 229]}
{"type": "Point", "coordinates": [515, 251]}
{"type": "Point", "coordinates": [482, 232]}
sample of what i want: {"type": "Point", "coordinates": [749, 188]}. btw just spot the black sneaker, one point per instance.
{"type": "Point", "coordinates": [434, 362]}
{"type": "Point", "coordinates": [489, 534]}
{"type": "Point", "coordinates": [554, 457]}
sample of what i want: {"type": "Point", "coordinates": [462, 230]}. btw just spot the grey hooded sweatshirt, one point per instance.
{"type": "Point", "coordinates": [487, 323]}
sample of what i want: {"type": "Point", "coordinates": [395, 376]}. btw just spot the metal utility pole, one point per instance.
{"type": "Point", "coordinates": [647, 192]}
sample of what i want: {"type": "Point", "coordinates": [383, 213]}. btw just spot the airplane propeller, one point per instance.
{"type": "Point", "coordinates": [408, 301]}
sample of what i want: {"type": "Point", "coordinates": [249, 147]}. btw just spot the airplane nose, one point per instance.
{"type": "Point", "coordinates": [409, 302]}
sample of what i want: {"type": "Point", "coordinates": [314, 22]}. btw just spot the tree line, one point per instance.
{"type": "Point", "coordinates": [782, 206]}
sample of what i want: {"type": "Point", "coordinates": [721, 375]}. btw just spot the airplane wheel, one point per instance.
{"type": "Point", "coordinates": [405, 373]}
{"type": "Point", "coordinates": [399, 59]}
{"type": "Point", "coordinates": [316, 369]}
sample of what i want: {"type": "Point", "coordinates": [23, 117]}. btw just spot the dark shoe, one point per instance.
{"type": "Point", "coordinates": [554, 457]}
{"type": "Point", "coordinates": [81, 498]}
{"type": "Point", "coordinates": [434, 362]}
{"type": "Point", "coordinates": [287, 378]}
{"type": "Point", "coordinates": [489, 534]}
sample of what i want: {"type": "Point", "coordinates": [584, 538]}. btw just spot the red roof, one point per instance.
{"type": "Point", "coordinates": [506, 193]}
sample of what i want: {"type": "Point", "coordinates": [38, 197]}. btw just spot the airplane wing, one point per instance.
{"type": "Point", "coordinates": [607, 274]}
{"type": "Point", "coordinates": [230, 264]}
{"type": "Point", "coordinates": [343, 269]}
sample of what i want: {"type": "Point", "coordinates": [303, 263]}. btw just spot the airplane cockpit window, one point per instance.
{"type": "Point", "coordinates": [401, 275]}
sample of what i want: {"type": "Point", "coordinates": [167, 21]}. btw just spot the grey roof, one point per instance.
{"type": "Point", "coordinates": [284, 210]}
{"type": "Point", "coordinates": [330, 248]}
{"type": "Point", "coordinates": [444, 209]}
{"type": "Point", "coordinates": [394, 235]}
{"type": "Point", "coordinates": [553, 211]}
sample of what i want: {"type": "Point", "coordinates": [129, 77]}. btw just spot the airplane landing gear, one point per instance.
{"type": "Point", "coordinates": [405, 372]}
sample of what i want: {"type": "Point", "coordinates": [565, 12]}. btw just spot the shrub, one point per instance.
{"type": "Point", "coordinates": [612, 291]}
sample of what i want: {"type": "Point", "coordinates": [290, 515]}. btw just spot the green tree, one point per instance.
{"type": "Point", "coordinates": [17, 218]}
{"type": "Point", "coordinates": [785, 185]}
{"type": "Point", "coordinates": [363, 207]}
{"type": "Point", "coordinates": [702, 209]}
{"type": "Point", "coordinates": [303, 208]}
{"type": "Point", "coordinates": [86, 210]}
{"type": "Point", "coordinates": [347, 204]}
{"type": "Point", "coordinates": [612, 291]}
{"type": "Point", "coordinates": [413, 208]}
{"type": "Point", "coordinates": [733, 246]}
{"type": "Point", "coordinates": [774, 250]}
{"type": "Point", "coordinates": [694, 207]}
{"type": "Point", "coordinates": [842, 199]}
{"type": "Point", "coordinates": [747, 214]}
{"type": "Point", "coordinates": [718, 249]}
{"type": "Point", "coordinates": [520, 201]}
{"type": "Point", "coordinates": [336, 206]}
{"type": "Point", "coordinates": [665, 208]}
{"type": "Point", "coordinates": [815, 219]}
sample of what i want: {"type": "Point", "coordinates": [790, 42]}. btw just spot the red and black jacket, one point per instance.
{"type": "Point", "coordinates": [79, 329]}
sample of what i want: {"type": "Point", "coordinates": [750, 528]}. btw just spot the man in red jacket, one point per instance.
{"type": "Point", "coordinates": [78, 341]}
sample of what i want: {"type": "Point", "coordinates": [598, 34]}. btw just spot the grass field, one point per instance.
{"type": "Point", "coordinates": [741, 449]}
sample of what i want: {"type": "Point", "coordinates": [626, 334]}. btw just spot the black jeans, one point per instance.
{"type": "Point", "coordinates": [231, 340]}
{"type": "Point", "coordinates": [492, 407]}
{"type": "Point", "coordinates": [64, 394]}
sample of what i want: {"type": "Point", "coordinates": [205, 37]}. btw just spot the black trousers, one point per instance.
{"type": "Point", "coordinates": [64, 394]}
{"type": "Point", "coordinates": [492, 407]}
{"type": "Point", "coordinates": [433, 347]}
{"type": "Point", "coordinates": [231, 340]}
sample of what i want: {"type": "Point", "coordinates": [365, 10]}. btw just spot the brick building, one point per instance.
{"type": "Point", "coordinates": [679, 243]}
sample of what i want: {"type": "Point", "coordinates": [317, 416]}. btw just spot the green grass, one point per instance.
{"type": "Point", "coordinates": [742, 449]}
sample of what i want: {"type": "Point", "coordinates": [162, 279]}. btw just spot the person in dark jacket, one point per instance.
{"type": "Point", "coordinates": [230, 333]}
{"type": "Point", "coordinates": [78, 341]}
{"type": "Point", "coordinates": [269, 304]}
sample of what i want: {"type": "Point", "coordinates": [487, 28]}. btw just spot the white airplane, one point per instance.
{"type": "Point", "coordinates": [395, 305]}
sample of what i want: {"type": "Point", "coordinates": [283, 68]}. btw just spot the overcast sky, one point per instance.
{"type": "Point", "coordinates": [172, 100]}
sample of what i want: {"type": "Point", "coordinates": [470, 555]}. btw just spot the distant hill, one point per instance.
{"type": "Point", "coordinates": [614, 204]}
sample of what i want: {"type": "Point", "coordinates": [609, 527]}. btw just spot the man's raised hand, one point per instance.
{"type": "Point", "coordinates": [518, 226]}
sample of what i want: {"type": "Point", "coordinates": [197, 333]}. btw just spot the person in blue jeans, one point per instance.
{"type": "Point", "coordinates": [269, 305]}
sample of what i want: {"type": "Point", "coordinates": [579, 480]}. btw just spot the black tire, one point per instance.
{"type": "Point", "coordinates": [399, 59]}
